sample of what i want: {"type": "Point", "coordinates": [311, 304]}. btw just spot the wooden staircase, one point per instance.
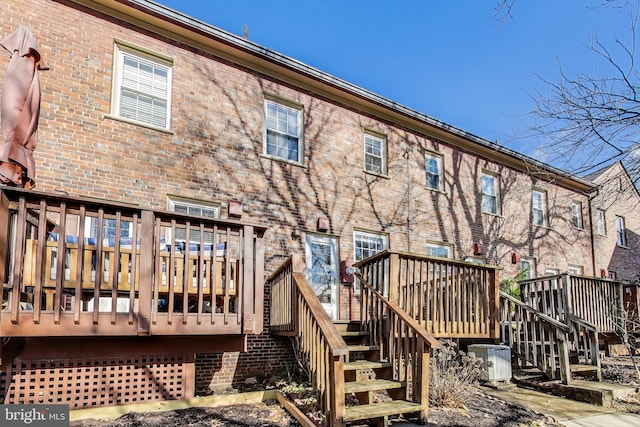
{"type": "Point", "coordinates": [371, 392]}
{"type": "Point", "coordinates": [558, 349]}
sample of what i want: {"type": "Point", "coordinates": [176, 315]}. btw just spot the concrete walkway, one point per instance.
{"type": "Point", "coordinates": [567, 412]}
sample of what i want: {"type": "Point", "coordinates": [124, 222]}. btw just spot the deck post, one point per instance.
{"type": "Point", "coordinates": [563, 350]}
{"type": "Point", "coordinates": [394, 278]}
{"type": "Point", "coordinates": [424, 382]}
{"type": "Point", "coordinates": [248, 285]}
{"type": "Point", "coordinates": [494, 301]}
{"type": "Point", "coordinates": [336, 385]}
{"type": "Point", "coordinates": [146, 273]}
{"type": "Point", "coordinates": [4, 235]}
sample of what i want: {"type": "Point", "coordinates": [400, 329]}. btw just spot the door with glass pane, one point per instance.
{"type": "Point", "coordinates": [322, 271]}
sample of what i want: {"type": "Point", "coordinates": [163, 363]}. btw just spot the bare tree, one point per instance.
{"type": "Point", "coordinates": [587, 121]}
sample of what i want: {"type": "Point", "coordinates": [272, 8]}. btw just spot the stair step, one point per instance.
{"type": "Point", "coordinates": [371, 385]}
{"type": "Point", "coordinates": [382, 409]}
{"type": "Point", "coordinates": [357, 347]}
{"type": "Point", "coordinates": [582, 368]}
{"type": "Point", "coordinates": [365, 364]}
{"type": "Point", "coordinates": [354, 333]}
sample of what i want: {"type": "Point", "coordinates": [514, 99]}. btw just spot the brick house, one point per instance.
{"type": "Point", "coordinates": [146, 107]}
{"type": "Point", "coordinates": [616, 228]}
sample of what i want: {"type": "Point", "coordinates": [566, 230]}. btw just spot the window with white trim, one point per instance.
{"type": "Point", "coordinates": [601, 223]}
{"type": "Point", "coordinates": [142, 86]}
{"type": "Point", "coordinates": [576, 214]}
{"type": "Point", "coordinates": [366, 244]}
{"type": "Point", "coordinates": [551, 271]}
{"type": "Point", "coordinates": [489, 193]}
{"type": "Point", "coordinates": [441, 250]}
{"type": "Point", "coordinates": [283, 131]}
{"type": "Point", "coordinates": [575, 269]}
{"type": "Point", "coordinates": [375, 153]}
{"type": "Point", "coordinates": [612, 275]}
{"type": "Point", "coordinates": [527, 268]}
{"type": "Point", "coordinates": [621, 232]}
{"type": "Point", "coordinates": [539, 208]}
{"type": "Point", "coordinates": [194, 208]}
{"type": "Point", "coordinates": [433, 166]}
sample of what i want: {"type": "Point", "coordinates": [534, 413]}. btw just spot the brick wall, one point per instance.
{"type": "Point", "coordinates": [214, 151]}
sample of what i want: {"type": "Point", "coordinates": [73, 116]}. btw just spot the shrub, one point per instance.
{"type": "Point", "coordinates": [452, 375]}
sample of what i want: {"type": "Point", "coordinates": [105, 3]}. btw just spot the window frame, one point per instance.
{"type": "Point", "coordinates": [543, 209]}
{"type": "Point", "coordinates": [440, 170]}
{"type": "Point", "coordinates": [288, 107]}
{"type": "Point", "coordinates": [577, 270]}
{"type": "Point", "coordinates": [495, 196]}
{"type": "Point", "coordinates": [621, 232]}
{"type": "Point", "coordinates": [531, 262]}
{"type": "Point", "coordinates": [601, 222]}
{"type": "Point", "coordinates": [439, 245]}
{"type": "Point", "coordinates": [576, 215]}
{"type": "Point", "coordinates": [367, 134]}
{"type": "Point", "coordinates": [368, 234]}
{"type": "Point", "coordinates": [172, 201]}
{"type": "Point", "coordinates": [123, 50]}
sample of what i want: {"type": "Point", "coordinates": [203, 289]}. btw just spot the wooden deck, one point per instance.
{"type": "Point", "coordinates": [167, 273]}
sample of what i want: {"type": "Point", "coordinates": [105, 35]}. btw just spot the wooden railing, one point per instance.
{"type": "Point", "coordinates": [65, 273]}
{"type": "Point", "coordinates": [583, 340]}
{"type": "Point", "coordinates": [402, 341]}
{"type": "Point", "coordinates": [296, 311]}
{"type": "Point", "coordinates": [535, 338]}
{"type": "Point", "coordinates": [596, 301]}
{"type": "Point", "coordinates": [448, 298]}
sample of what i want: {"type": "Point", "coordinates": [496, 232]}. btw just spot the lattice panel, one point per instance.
{"type": "Point", "coordinates": [85, 383]}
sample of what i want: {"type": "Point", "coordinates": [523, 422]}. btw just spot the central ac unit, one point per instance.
{"type": "Point", "coordinates": [496, 361]}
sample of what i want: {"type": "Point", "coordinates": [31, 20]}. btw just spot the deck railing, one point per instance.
{"type": "Point", "coordinates": [535, 338]}
{"type": "Point", "coordinates": [402, 341]}
{"type": "Point", "coordinates": [596, 301]}
{"type": "Point", "coordinates": [296, 311]}
{"type": "Point", "coordinates": [64, 271]}
{"type": "Point", "coordinates": [448, 298]}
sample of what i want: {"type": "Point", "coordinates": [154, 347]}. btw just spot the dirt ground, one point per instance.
{"type": "Point", "coordinates": [481, 411]}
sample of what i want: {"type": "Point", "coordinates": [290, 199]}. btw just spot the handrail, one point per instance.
{"type": "Point", "coordinates": [296, 311]}
{"type": "Point", "coordinates": [403, 342]}
{"type": "Point", "coordinates": [532, 310]}
{"type": "Point", "coordinates": [582, 322]}
{"type": "Point", "coordinates": [398, 311]}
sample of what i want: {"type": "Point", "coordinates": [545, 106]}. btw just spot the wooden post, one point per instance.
{"type": "Point", "coordinates": [146, 273]}
{"type": "Point", "coordinates": [4, 235]}
{"type": "Point", "coordinates": [563, 350]}
{"type": "Point", "coordinates": [258, 279]}
{"type": "Point", "coordinates": [248, 288]}
{"type": "Point", "coordinates": [424, 383]}
{"type": "Point", "coordinates": [394, 278]}
{"type": "Point", "coordinates": [336, 385]}
{"type": "Point", "coordinates": [494, 301]}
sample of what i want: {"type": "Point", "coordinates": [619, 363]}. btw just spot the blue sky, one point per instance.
{"type": "Point", "coordinates": [449, 59]}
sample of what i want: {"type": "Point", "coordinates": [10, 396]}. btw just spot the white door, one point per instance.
{"type": "Point", "coordinates": [322, 271]}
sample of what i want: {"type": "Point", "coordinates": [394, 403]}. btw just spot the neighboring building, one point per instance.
{"type": "Point", "coordinates": [143, 105]}
{"type": "Point", "coordinates": [616, 224]}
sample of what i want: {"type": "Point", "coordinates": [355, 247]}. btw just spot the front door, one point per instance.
{"type": "Point", "coordinates": [322, 271]}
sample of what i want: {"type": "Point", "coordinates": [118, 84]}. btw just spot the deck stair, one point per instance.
{"type": "Point", "coordinates": [371, 392]}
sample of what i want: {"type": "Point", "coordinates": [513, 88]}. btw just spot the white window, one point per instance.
{"type": "Point", "coordinates": [601, 223]}
{"type": "Point", "coordinates": [433, 165]}
{"type": "Point", "coordinates": [576, 214]}
{"type": "Point", "coordinates": [475, 259]}
{"type": "Point", "coordinates": [375, 148]}
{"type": "Point", "coordinates": [539, 207]}
{"type": "Point", "coordinates": [441, 250]}
{"type": "Point", "coordinates": [366, 245]}
{"type": "Point", "coordinates": [489, 193]}
{"type": "Point", "coordinates": [621, 232]}
{"type": "Point", "coordinates": [193, 208]}
{"type": "Point", "coordinates": [283, 131]}
{"type": "Point", "coordinates": [575, 269]}
{"type": "Point", "coordinates": [108, 229]}
{"type": "Point", "coordinates": [551, 271]}
{"type": "Point", "coordinates": [142, 86]}
{"type": "Point", "coordinates": [613, 275]}
{"type": "Point", "coordinates": [527, 268]}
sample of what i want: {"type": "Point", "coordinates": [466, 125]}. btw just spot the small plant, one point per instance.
{"type": "Point", "coordinates": [453, 373]}
{"type": "Point", "coordinates": [510, 285]}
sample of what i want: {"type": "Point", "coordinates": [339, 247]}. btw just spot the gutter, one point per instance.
{"type": "Point", "coordinates": [180, 27]}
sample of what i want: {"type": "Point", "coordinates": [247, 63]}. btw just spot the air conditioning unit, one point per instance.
{"type": "Point", "coordinates": [496, 361]}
